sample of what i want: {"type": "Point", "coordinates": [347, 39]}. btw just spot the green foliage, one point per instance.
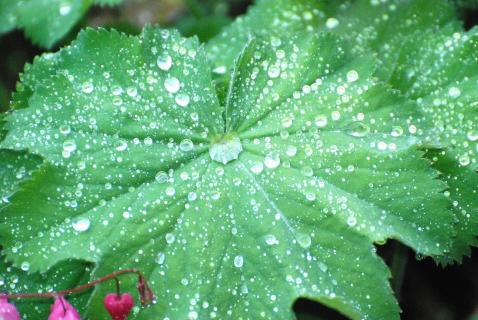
{"type": "Point", "coordinates": [237, 196]}
{"type": "Point", "coordinates": [44, 21]}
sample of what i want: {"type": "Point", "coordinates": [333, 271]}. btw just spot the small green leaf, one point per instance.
{"type": "Point", "coordinates": [234, 210]}
{"type": "Point", "coordinates": [44, 21]}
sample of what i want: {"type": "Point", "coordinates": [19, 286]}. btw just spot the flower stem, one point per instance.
{"type": "Point", "coordinates": [112, 275]}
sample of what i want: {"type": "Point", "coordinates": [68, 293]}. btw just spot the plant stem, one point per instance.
{"type": "Point", "coordinates": [397, 266]}
{"type": "Point", "coordinates": [112, 275]}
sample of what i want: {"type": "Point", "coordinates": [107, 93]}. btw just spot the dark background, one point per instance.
{"type": "Point", "coordinates": [425, 291]}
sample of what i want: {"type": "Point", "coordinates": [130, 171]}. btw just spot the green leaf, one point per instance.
{"type": "Point", "coordinates": [15, 167]}
{"type": "Point", "coordinates": [235, 210]}
{"type": "Point", "coordinates": [44, 21]}
{"type": "Point", "coordinates": [368, 25]}
{"type": "Point", "coordinates": [421, 50]}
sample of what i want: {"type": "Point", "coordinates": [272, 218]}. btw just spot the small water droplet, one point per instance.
{"type": "Point", "coordinates": [182, 99]}
{"type": "Point", "coordinates": [287, 121]}
{"type": "Point", "coordinates": [65, 9]}
{"type": "Point", "coordinates": [65, 129]}
{"type": "Point", "coordinates": [454, 92]}
{"type": "Point", "coordinates": [397, 131]}
{"type": "Point", "coordinates": [121, 145]}
{"type": "Point", "coordinates": [332, 23]}
{"type": "Point", "coordinates": [186, 145]}
{"type": "Point", "coordinates": [87, 87]}
{"type": "Point", "coordinates": [352, 76]}
{"type": "Point", "coordinates": [170, 191]}
{"type": "Point", "coordinates": [25, 266]}
{"type": "Point", "coordinates": [273, 72]}
{"type": "Point", "coordinates": [164, 62]}
{"type": "Point", "coordinates": [464, 160]}
{"type": "Point", "coordinates": [81, 224]}
{"type": "Point", "coordinates": [304, 240]}
{"type": "Point", "coordinates": [351, 221]}
{"type": "Point", "coordinates": [472, 135]}
{"type": "Point", "coordinates": [69, 145]}
{"type": "Point", "coordinates": [172, 85]}
{"type": "Point", "coordinates": [160, 257]}
{"type": "Point", "coordinates": [238, 261]}
{"type": "Point", "coordinates": [321, 121]}
{"type": "Point", "coordinates": [170, 238]}
{"type": "Point", "coordinates": [271, 240]}
{"type": "Point", "coordinates": [272, 160]}
{"type": "Point", "coordinates": [257, 167]}
{"type": "Point", "coordinates": [358, 129]}
{"type": "Point", "coordinates": [291, 151]}
{"type": "Point", "coordinates": [162, 177]}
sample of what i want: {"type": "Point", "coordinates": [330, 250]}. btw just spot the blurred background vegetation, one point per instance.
{"type": "Point", "coordinates": [425, 291]}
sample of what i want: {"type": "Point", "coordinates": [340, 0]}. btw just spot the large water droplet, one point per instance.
{"type": "Point", "coordinates": [225, 150]}
{"type": "Point", "coordinates": [182, 99]}
{"type": "Point", "coordinates": [170, 238]}
{"type": "Point", "coordinates": [358, 129]}
{"type": "Point", "coordinates": [304, 240]}
{"type": "Point", "coordinates": [272, 160]}
{"type": "Point", "coordinates": [81, 224]}
{"type": "Point", "coordinates": [69, 145]}
{"type": "Point", "coordinates": [186, 145]}
{"type": "Point", "coordinates": [172, 85]}
{"type": "Point", "coordinates": [164, 62]}
{"type": "Point", "coordinates": [160, 257]}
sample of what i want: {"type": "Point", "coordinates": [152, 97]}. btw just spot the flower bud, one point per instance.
{"type": "Point", "coordinates": [62, 310]}
{"type": "Point", "coordinates": [118, 306]}
{"type": "Point", "coordinates": [8, 310]}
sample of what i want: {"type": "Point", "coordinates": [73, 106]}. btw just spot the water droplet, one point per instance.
{"type": "Point", "coordinates": [271, 240]}
{"type": "Point", "coordinates": [172, 85]}
{"type": "Point", "coordinates": [170, 191]}
{"type": "Point", "coordinates": [291, 151]}
{"type": "Point", "coordinates": [351, 221]}
{"type": "Point", "coordinates": [273, 72]}
{"type": "Point", "coordinates": [287, 121]}
{"type": "Point", "coordinates": [225, 150]}
{"type": "Point", "coordinates": [170, 238]}
{"type": "Point", "coordinates": [121, 145]}
{"type": "Point", "coordinates": [162, 177]}
{"type": "Point", "coordinates": [472, 135]}
{"type": "Point", "coordinates": [397, 131]}
{"type": "Point", "coordinates": [65, 129]}
{"type": "Point", "coordinates": [464, 160]}
{"type": "Point", "coordinates": [132, 91]}
{"type": "Point", "coordinates": [321, 121]}
{"type": "Point", "coordinates": [164, 62]}
{"type": "Point", "coordinates": [454, 92]}
{"type": "Point", "coordinates": [358, 129]}
{"type": "Point", "coordinates": [272, 160]}
{"type": "Point", "coordinates": [65, 9]}
{"type": "Point", "coordinates": [87, 87]}
{"type": "Point", "coordinates": [257, 167]}
{"type": "Point", "coordinates": [352, 76]}
{"type": "Point", "coordinates": [81, 224]}
{"type": "Point", "coordinates": [182, 99]}
{"type": "Point", "coordinates": [160, 257]}
{"type": "Point", "coordinates": [238, 261]}
{"type": "Point", "coordinates": [304, 240]}
{"type": "Point", "coordinates": [186, 145]}
{"type": "Point", "coordinates": [69, 145]}
{"type": "Point", "coordinates": [25, 266]}
{"type": "Point", "coordinates": [332, 23]}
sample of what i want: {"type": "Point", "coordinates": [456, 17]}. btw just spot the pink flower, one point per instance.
{"type": "Point", "coordinates": [62, 310]}
{"type": "Point", "coordinates": [8, 310]}
{"type": "Point", "coordinates": [119, 306]}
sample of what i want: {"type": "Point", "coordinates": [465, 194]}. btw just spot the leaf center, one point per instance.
{"type": "Point", "coordinates": [225, 148]}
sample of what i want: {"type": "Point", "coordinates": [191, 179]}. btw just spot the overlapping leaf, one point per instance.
{"type": "Point", "coordinates": [420, 49]}
{"type": "Point", "coordinates": [44, 21]}
{"type": "Point", "coordinates": [328, 166]}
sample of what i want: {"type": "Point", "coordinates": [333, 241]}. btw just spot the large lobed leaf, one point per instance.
{"type": "Point", "coordinates": [328, 166]}
{"type": "Point", "coordinates": [44, 21]}
{"type": "Point", "coordinates": [421, 50]}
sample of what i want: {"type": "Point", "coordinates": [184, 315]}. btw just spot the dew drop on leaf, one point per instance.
{"type": "Point", "coordinates": [170, 238]}
{"type": "Point", "coordinates": [69, 145]}
{"type": "Point", "coordinates": [257, 167]}
{"type": "Point", "coordinates": [162, 177]}
{"type": "Point", "coordinates": [271, 239]}
{"type": "Point", "coordinates": [182, 99]}
{"type": "Point", "coordinates": [352, 76]}
{"type": "Point", "coordinates": [303, 240]}
{"type": "Point", "coordinates": [25, 266]}
{"type": "Point", "coordinates": [272, 160]}
{"type": "Point", "coordinates": [160, 257]}
{"type": "Point", "coordinates": [87, 87]}
{"type": "Point", "coordinates": [358, 129]}
{"type": "Point", "coordinates": [238, 261]}
{"type": "Point", "coordinates": [321, 121]}
{"type": "Point", "coordinates": [172, 85]}
{"type": "Point", "coordinates": [81, 224]}
{"type": "Point", "coordinates": [164, 62]}
{"type": "Point", "coordinates": [186, 145]}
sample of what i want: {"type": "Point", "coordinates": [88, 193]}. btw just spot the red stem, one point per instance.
{"type": "Point", "coordinates": [70, 291]}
